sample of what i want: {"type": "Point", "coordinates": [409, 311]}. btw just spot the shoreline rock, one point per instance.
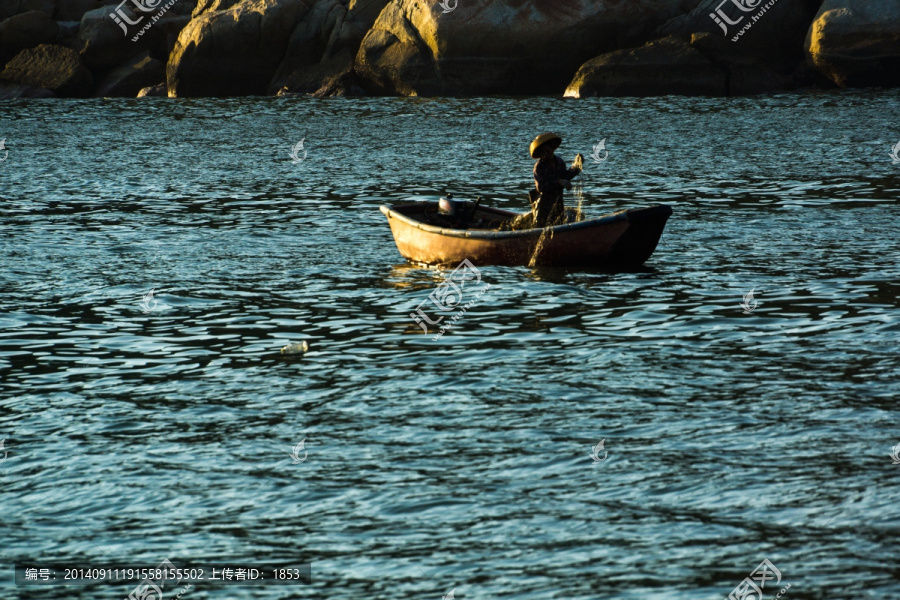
{"type": "Point", "coordinates": [55, 68]}
{"type": "Point", "coordinates": [129, 79]}
{"type": "Point", "coordinates": [498, 46]}
{"type": "Point", "coordinates": [26, 30]}
{"type": "Point", "coordinates": [104, 45]}
{"type": "Point", "coordinates": [154, 91]}
{"type": "Point", "coordinates": [745, 73]}
{"type": "Point", "coordinates": [481, 47]}
{"type": "Point", "coordinates": [320, 55]}
{"type": "Point", "coordinates": [10, 8]}
{"type": "Point", "coordinates": [661, 67]}
{"type": "Point", "coordinates": [776, 39]}
{"type": "Point", "coordinates": [234, 52]}
{"type": "Point", "coordinates": [856, 44]}
{"type": "Point", "coordinates": [10, 91]}
{"type": "Point", "coordinates": [74, 10]}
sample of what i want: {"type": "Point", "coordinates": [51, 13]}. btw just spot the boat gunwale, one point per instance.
{"type": "Point", "coordinates": [480, 234]}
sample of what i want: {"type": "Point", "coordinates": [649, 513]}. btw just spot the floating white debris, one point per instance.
{"type": "Point", "coordinates": [295, 348]}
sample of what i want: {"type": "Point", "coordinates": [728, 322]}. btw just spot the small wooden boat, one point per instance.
{"type": "Point", "coordinates": [622, 239]}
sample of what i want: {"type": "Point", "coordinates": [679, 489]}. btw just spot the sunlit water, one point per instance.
{"type": "Point", "coordinates": [462, 463]}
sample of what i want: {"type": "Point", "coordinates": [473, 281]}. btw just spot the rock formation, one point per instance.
{"type": "Point", "coordinates": [667, 66]}
{"type": "Point", "coordinates": [132, 77]}
{"type": "Point", "coordinates": [55, 68]}
{"type": "Point", "coordinates": [703, 65]}
{"type": "Point", "coordinates": [10, 8]}
{"type": "Point", "coordinates": [26, 30]}
{"type": "Point", "coordinates": [9, 91]}
{"type": "Point", "coordinates": [857, 43]}
{"type": "Point", "coordinates": [154, 91]}
{"type": "Point", "coordinates": [104, 45]}
{"type": "Point", "coordinates": [776, 38]}
{"type": "Point", "coordinates": [499, 46]}
{"type": "Point", "coordinates": [446, 47]}
{"type": "Point", "coordinates": [322, 49]}
{"type": "Point", "coordinates": [233, 52]}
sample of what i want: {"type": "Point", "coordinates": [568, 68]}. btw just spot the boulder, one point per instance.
{"type": "Point", "coordinates": [11, 91]}
{"type": "Point", "coordinates": [211, 6]}
{"type": "Point", "coordinates": [163, 33]}
{"type": "Point", "coordinates": [775, 37]}
{"type": "Point", "coordinates": [170, 27]}
{"type": "Point", "coordinates": [349, 33]}
{"type": "Point", "coordinates": [105, 44]}
{"type": "Point", "coordinates": [499, 46]}
{"type": "Point", "coordinates": [74, 10]}
{"type": "Point", "coordinates": [68, 33]}
{"type": "Point", "coordinates": [129, 79]}
{"type": "Point", "coordinates": [336, 82]}
{"type": "Point", "coordinates": [55, 68]}
{"type": "Point", "coordinates": [745, 73]}
{"type": "Point", "coordinates": [26, 30]}
{"type": "Point", "coordinates": [153, 91]}
{"type": "Point", "coordinates": [857, 43]}
{"type": "Point", "coordinates": [183, 7]}
{"type": "Point", "coordinates": [323, 47]}
{"type": "Point", "coordinates": [234, 52]}
{"type": "Point", "coordinates": [661, 67]}
{"type": "Point", "coordinates": [9, 8]}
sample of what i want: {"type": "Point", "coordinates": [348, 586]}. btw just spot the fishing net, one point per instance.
{"type": "Point", "coordinates": [578, 192]}
{"type": "Point", "coordinates": [569, 214]}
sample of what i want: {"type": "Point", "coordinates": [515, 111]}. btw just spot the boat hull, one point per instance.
{"type": "Point", "coordinates": [623, 239]}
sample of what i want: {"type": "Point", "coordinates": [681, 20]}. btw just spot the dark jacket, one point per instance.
{"type": "Point", "coordinates": [547, 174]}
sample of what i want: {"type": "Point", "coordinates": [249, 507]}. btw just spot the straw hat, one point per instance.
{"type": "Point", "coordinates": [545, 138]}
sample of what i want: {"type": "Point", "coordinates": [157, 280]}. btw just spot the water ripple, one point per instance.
{"type": "Point", "coordinates": [464, 462]}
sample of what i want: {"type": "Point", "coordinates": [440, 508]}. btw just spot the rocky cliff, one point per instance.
{"type": "Point", "coordinates": [443, 47]}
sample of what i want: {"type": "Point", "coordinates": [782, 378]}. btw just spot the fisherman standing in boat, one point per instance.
{"type": "Point", "coordinates": [550, 178]}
